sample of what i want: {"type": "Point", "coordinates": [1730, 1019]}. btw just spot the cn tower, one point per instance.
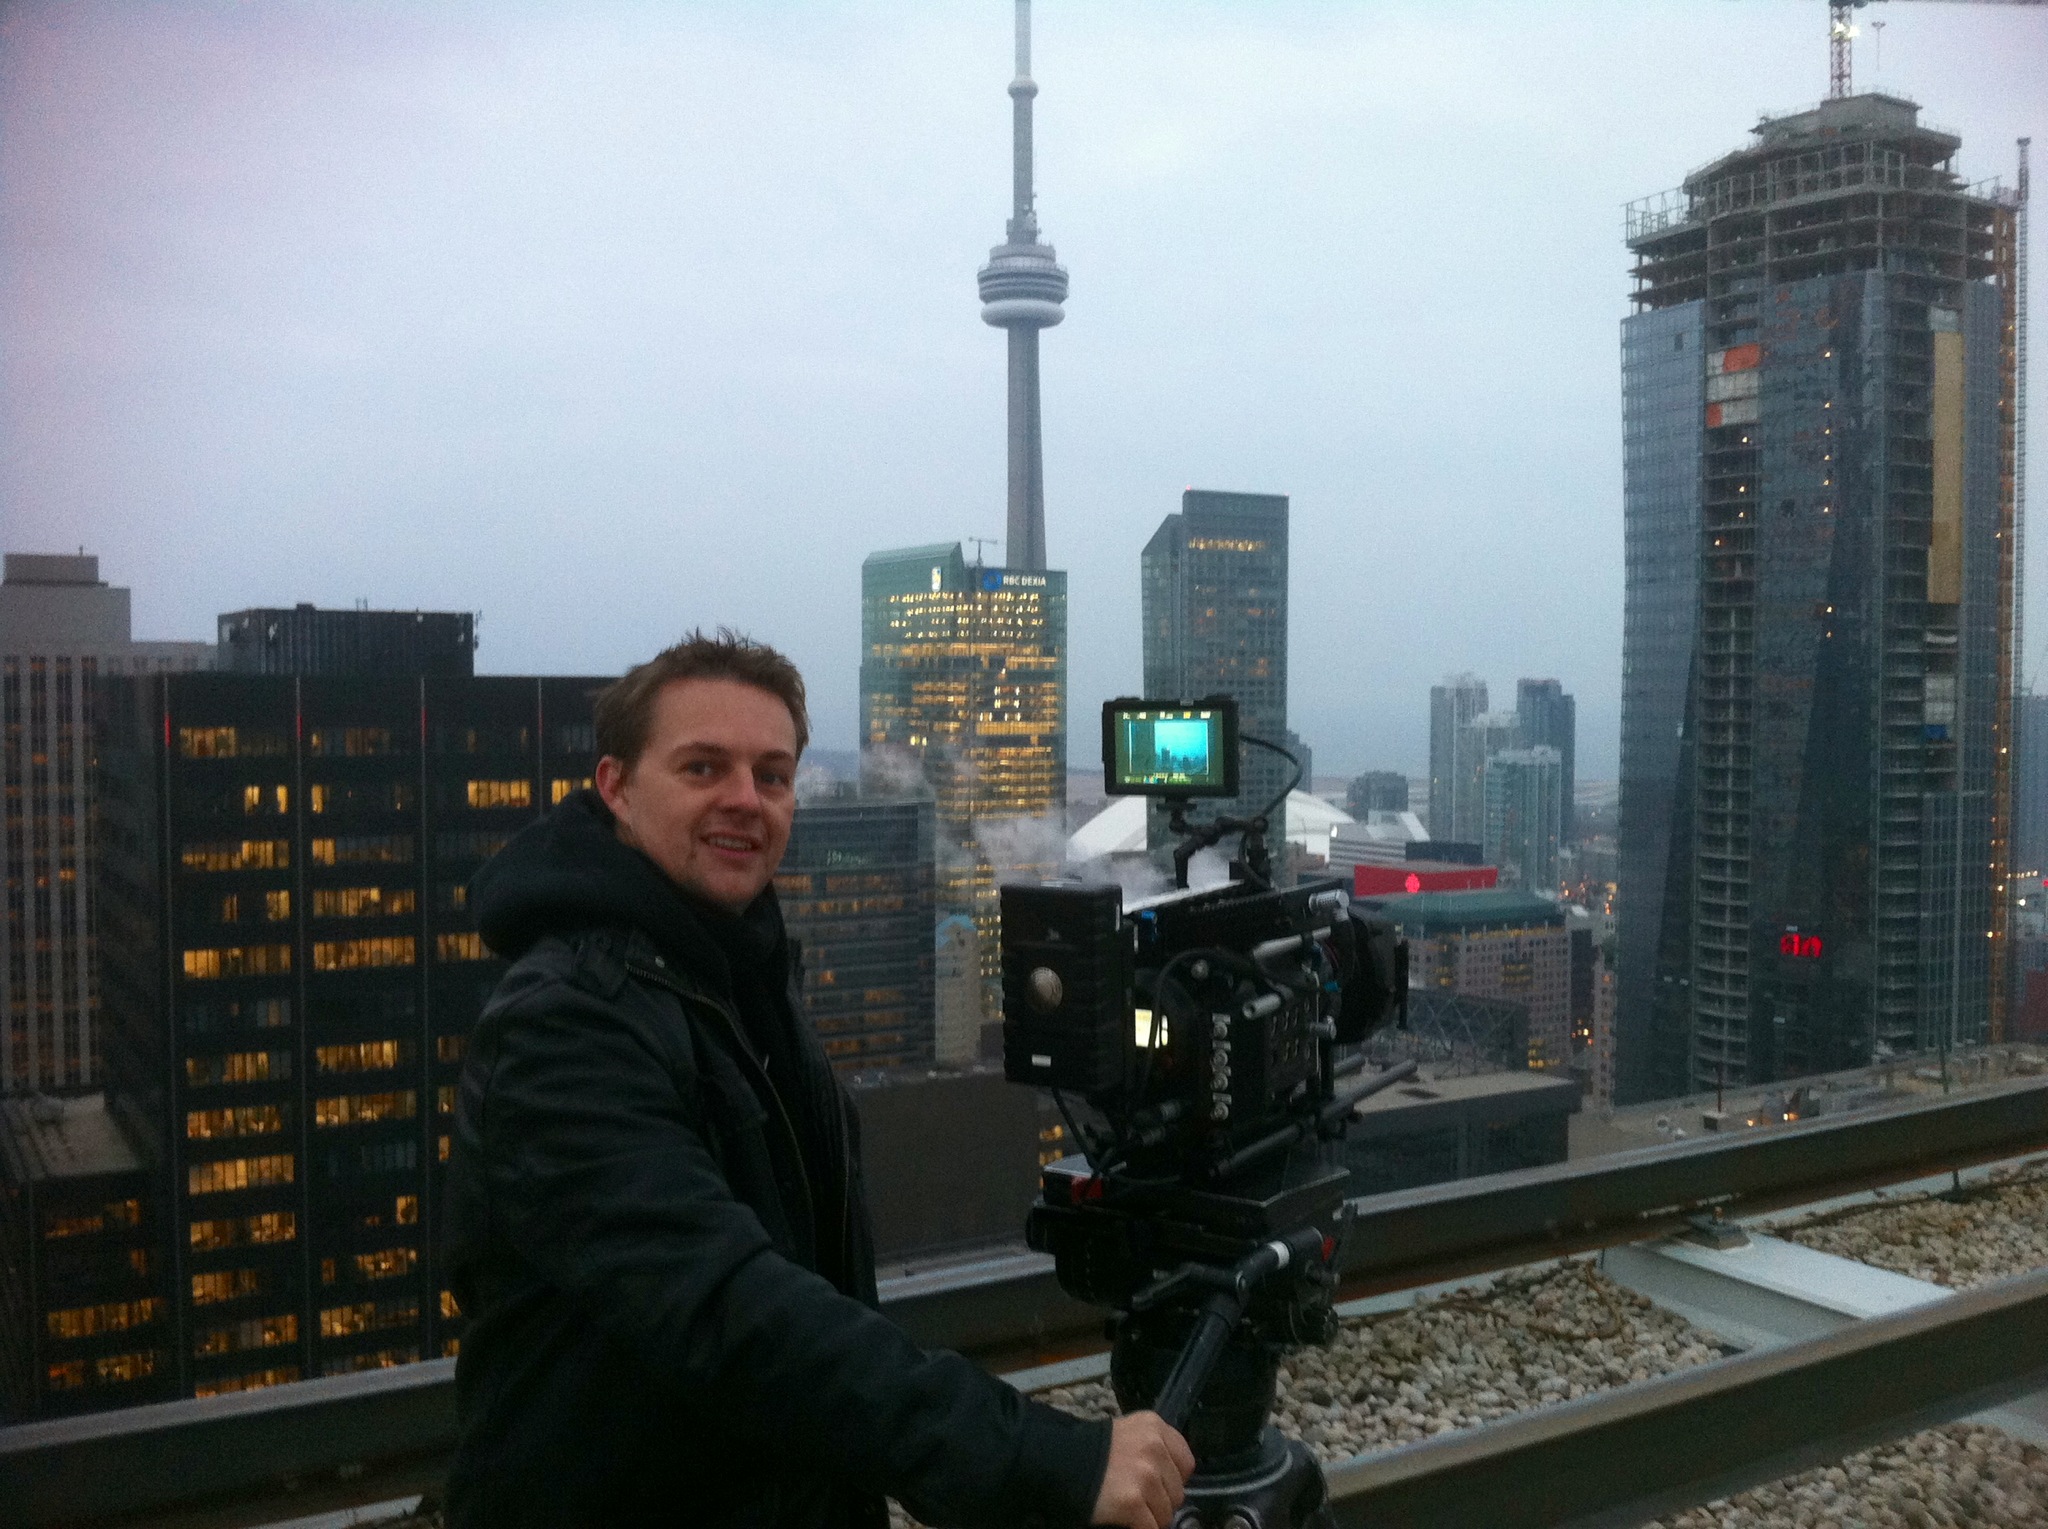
{"type": "Point", "coordinates": [1022, 287]}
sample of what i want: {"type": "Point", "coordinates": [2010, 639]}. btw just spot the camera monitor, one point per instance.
{"type": "Point", "coordinates": [1170, 748]}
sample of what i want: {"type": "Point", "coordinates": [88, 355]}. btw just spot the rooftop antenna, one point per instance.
{"type": "Point", "coordinates": [979, 543]}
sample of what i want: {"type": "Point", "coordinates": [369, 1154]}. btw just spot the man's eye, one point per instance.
{"type": "Point", "coordinates": [703, 769]}
{"type": "Point", "coordinates": [773, 778]}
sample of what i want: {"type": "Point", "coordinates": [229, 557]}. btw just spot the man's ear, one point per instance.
{"type": "Point", "coordinates": [611, 781]}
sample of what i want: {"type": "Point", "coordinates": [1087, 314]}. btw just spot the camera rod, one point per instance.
{"type": "Point", "coordinates": [1326, 1116]}
{"type": "Point", "coordinates": [1221, 1313]}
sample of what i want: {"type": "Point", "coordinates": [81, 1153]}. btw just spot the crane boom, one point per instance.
{"type": "Point", "coordinates": [1842, 33]}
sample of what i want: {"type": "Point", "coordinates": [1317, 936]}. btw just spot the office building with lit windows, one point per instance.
{"type": "Point", "coordinates": [290, 974]}
{"type": "Point", "coordinates": [83, 1313]}
{"type": "Point", "coordinates": [1818, 384]}
{"type": "Point", "coordinates": [60, 628]}
{"type": "Point", "coordinates": [963, 684]}
{"type": "Point", "coordinates": [1213, 588]}
{"type": "Point", "coordinates": [856, 888]}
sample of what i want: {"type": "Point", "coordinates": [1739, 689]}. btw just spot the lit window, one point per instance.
{"type": "Point", "coordinates": [236, 1231]}
{"type": "Point", "coordinates": [467, 946]}
{"type": "Point", "coordinates": [367, 1317]}
{"type": "Point", "coordinates": [359, 1056]}
{"type": "Point", "coordinates": [355, 955]}
{"type": "Point", "coordinates": [239, 1120]}
{"type": "Point", "coordinates": [230, 1174]}
{"type": "Point", "coordinates": [238, 961]}
{"type": "Point", "coordinates": [365, 1109]}
{"type": "Point", "coordinates": [223, 1285]}
{"type": "Point", "coordinates": [238, 855]}
{"type": "Point", "coordinates": [560, 790]}
{"type": "Point", "coordinates": [257, 1380]}
{"type": "Point", "coordinates": [108, 1317]}
{"type": "Point", "coordinates": [238, 1067]}
{"type": "Point", "coordinates": [386, 1263]}
{"type": "Point", "coordinates": [501, 793]}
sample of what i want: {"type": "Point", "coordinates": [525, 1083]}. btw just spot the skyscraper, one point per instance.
{"type": "Point", "coordinates": [2030, 788]}
{"type": "Point", "coordinates": [1022, 287]}
{"type": "Point", "coordinates": [1548, 718]}
{"type": "Point", "coordinates": [1815, 801]}
{"type": "Point", "coordinates": [856, 891]}
{"type": "Point", "coordinates": [1214, 607]}
{"type": "Point", "coordinates": [963, 682]}
{"type": "Point", "coordinates": [60, 629]}
{"type": "Point", "coordinates": [1478, 741]}
{"type": "Point", "coordinates": [1522, 817]}
{"type": "Point", "coordinates": [291, 973]}
{"type": "Point", "coordinates": [1455, 702]}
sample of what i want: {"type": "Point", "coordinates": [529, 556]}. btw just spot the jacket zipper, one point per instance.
{"type": "Point", "coordinates": [662, 979]}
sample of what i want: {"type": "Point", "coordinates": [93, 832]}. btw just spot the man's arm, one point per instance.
{"type": "Point", "coordinates": [600, 1180]}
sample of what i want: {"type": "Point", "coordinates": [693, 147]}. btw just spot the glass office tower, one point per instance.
{"type": "Point", "coordinates": [856, 892]}
{"type": "Point", "coordinates": [1815, 809]}
{"type": "Point", "coordinates": [291, 970]}
{"type": "Point", "coordinates": [963, 684]}
{"type": "Point", "coordinates": [1214, 597]}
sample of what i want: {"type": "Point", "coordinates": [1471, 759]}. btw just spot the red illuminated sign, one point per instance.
{"type": "Point", "coordinates": [1806, 947]}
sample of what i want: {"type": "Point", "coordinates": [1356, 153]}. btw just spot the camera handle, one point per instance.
{"type": "Point", "coordinates": [1195, 837]}
{"type": "Point", "coordinates": [1231, 1296]}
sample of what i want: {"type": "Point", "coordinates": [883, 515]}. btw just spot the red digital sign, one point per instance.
{"type": "Point", "coordinates": [1806, 947]}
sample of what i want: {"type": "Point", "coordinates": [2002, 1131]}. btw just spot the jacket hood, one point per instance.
{"type": "Point", "coordinates": [569, 871]}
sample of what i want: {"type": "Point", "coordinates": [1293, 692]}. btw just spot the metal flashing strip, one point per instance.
{"type": "Point", "coordinates": [1621, 1458]}
{"type": "Point", "coordinates": [104, 1465]}
{"type": "Point", "coordinates": [1417, 1236]}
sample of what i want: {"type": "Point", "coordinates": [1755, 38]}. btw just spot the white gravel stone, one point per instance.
{"type": "Point", "coordinates": [1987, 1233]}
{"type": "Point", "coordinates": [1962, 1475]}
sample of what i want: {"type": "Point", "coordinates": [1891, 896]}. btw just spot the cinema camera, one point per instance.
{"type": "Point", "coordinates": [1191, 1044]}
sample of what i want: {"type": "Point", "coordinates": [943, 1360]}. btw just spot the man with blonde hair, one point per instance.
{"type": "Point", "coordinates": [655, 1205]}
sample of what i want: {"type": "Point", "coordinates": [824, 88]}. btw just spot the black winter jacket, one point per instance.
{"type": "Point", "coordinates": [671, 1319]}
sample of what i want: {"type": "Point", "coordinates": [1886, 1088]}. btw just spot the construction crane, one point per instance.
{"type": "Point", "coordinates": [1842, 31]}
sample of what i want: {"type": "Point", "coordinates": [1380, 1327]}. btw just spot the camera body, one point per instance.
{"type": "Point", "coordinates": [1194, 1022]}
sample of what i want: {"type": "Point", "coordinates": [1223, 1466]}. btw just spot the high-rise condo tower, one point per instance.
{"type": "Point", "coordinates": [1022, 287]}
{"type": "Point", "coordinates": [1816, 811]}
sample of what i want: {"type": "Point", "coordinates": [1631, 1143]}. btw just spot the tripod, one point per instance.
{"type": "Point", "coordinates": [1168, 1350]}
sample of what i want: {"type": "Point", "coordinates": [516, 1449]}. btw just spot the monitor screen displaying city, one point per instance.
{"type": "Point", "coordinates": [1169, 748]}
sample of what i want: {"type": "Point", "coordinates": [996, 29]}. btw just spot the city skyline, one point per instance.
{"type": "Point", "coordinates": [440, 321]}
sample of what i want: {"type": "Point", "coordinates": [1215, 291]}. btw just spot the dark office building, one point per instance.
{"type": "Point", "coordinates": [1429, 1132]}
{"type": "Point", "coordinates": [1547, 718]}
{"type": "Point", "coordinates": [1377, 791]}
{"type": "Point", "coordinates": [2030, 789]}
{"type": "Point", "coordinates": [290, 974]}
{"type": "Point", "coordinates": [1815, 795]}
{"type": "Point", "coordinates": [856, 888]}
{"type": "Point", "coordinates": [84, 1323]}
{"type": "Point", "coordinates": [306, 641]}
{"type": "Point", "coordinates": [952, 1159]}
{"type": "Point", "coordinates": [1215, 615]}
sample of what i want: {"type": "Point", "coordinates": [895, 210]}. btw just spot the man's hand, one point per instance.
{"type": "Point", "coordinates": [1149, 1464]}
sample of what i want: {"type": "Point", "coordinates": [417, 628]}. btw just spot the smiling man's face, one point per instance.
{"type": "Point", "coordinates": [712, 795]}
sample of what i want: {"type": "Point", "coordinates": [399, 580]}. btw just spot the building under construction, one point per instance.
{"type": "Point", "coordinates": [1819, 382]}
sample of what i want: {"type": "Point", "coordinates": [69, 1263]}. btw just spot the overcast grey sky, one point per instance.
{"type": "Point", "coordinates": [610, 319]}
